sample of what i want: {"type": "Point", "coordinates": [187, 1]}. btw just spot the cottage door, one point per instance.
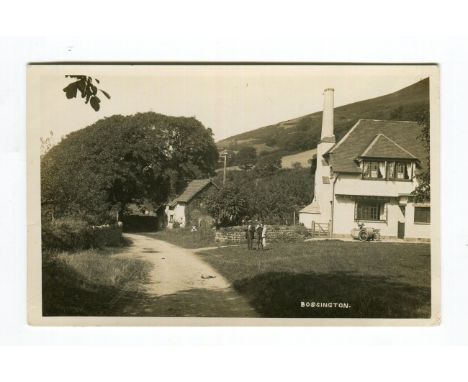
{"type": "Point", "coordinates": [401, 230]}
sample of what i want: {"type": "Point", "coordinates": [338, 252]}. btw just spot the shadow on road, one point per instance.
{"type": "Point", "coordinates": [67, 293]}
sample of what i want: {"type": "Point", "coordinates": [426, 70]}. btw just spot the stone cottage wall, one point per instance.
{"type": "Point", "coordinates": [196, 210]}
{"type": "Point", "coordinates": [277, 233]}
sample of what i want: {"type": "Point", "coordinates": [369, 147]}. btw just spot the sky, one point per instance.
{"type": "Point", "coordinates": [229, 99]}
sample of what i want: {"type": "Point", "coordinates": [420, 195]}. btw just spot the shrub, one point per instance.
{"type": "Point", "coordinates": [67, 234]}
{"type": "Point", "coordinates": [233, 229]}
{"type": "Point", "coordinates": [228, 206]}
{"type": "Point", "coordinates": [271, 197]}
{"type": "Point", "coordinates": [287, 237]}
{"type": "Point", "coordinates": [301, 230]}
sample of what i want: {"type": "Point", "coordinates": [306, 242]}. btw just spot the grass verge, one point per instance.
{"type": "Point", "coordinates": [91, 282]}
{"type": "Point", "coordinates": [183, 237]}
{"type": "Point", "coordinates": [376, 280]}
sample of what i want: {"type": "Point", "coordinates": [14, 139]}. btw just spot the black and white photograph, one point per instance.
{"type": "Point", "coordinates": [233, 194]}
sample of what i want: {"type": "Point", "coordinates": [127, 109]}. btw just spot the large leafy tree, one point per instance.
{"type": "Point", "coordinates": [268, 164]}
{"type": "Point", "coordinates": [247, 157]}
{"type": "Point", "coordinates": [97, 171]}
{"type": "Point", "coordinates": [271, 196]}
{"type": "Point", "coordinates": [228, 206]}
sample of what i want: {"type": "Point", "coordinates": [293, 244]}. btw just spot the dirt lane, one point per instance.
{"type": "Point", "coordinates": [183, 284]}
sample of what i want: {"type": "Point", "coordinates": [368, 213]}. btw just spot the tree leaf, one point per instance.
{"type": "Point", "coordinates": [92, 90]}
{"type": "Point", "coordinates": [95, 103]}
{"type": "Point", "coordinates": [82, 88]}
{"type": "Point", "coordinates": [80, 77]}
{"type": "Point", "coordinates": [87, 90]}
{"type": "Point", "coordinates": [71, 89]}
{"type": "Point", "coordinates": [105, 93]}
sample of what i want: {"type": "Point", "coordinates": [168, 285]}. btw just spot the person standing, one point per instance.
{"type": "Point", "coordinates": [264, 236]}
{"type": "Point", "coordinates": [249, 235]}
{"type": "Point", "coordinates": [252, 235]}
{"type": "Point", "coordinates": [258, 231]}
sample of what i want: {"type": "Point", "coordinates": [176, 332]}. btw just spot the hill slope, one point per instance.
{"type": "Point", "coordinates": [303, 133]}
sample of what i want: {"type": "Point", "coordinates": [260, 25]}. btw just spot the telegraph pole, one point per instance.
{"type": "Point", "coordinates": [224, 154]}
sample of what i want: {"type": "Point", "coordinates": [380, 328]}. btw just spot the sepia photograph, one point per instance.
{"type": "Point", "coordinates": [233, 194]}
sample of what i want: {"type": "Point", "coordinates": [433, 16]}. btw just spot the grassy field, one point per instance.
{"type": "Point", "coordinates": [376, 280]}
{"type": "Point", "coordinates": [90, 283]}
{"type": "Point", "coordinates": [186, 239]}
{"type": "Point", "coordinates": [303, 158]}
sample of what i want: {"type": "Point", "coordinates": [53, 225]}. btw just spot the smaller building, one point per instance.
{"type": "Point", "coordinates": [190, 207]}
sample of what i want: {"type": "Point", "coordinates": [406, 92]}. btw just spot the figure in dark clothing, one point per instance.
{"type": "Point", "coordinates": [258, 231]}
{"type": "Point", "coordinates": [249, 235]}
{"type": "Point", "coordinates": [252, 234]}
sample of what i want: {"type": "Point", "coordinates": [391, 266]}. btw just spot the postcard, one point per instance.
{"type": "Point", "coordinates": [233, 194]}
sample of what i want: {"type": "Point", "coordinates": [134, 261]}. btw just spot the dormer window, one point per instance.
{"type": "Point", "coordinates": [373, 170]}
{"type": "Point", "coordinates": [388, 170]}
{"type": "Point", "coordinates": [387, 160]}
{"type": "Point", "coordinates": [400, 171]}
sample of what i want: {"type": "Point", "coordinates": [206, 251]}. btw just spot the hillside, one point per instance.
{"type": "Point", "coordinates": [303, 133]}
{"type": "Point", "coordinates": [303, 159]}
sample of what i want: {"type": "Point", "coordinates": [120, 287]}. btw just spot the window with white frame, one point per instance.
{"type": "Point", "coordinates": [402, 171]}
{"type": "Point", "coordinates": [374, 170]}
{"type": "Point", "coordinates": [392, 170]}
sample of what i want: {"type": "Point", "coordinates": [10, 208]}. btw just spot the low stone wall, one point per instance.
{"type": "Point", "coordinates": [274, 233]}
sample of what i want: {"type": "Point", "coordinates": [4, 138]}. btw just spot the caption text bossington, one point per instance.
{"type": "Point", "coordinates": [314, 304]}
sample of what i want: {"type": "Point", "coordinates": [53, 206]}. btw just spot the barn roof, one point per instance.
{"type": "Point", "coordinates": [192, 189]}
{"type": "Point", "coordinates": [377, 139]}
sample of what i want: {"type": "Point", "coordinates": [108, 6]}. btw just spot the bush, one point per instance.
{"type": "Point", "coordinates": [68, 234]}
{"type": "Point", "coordinates": [302, 230]}
{"type": "Point", "coordinates": [270, 197]}
{"type": "Point", "coordinates": [293, 234]}
{"type": "Point", "coordinates": [287, 237]}
{"type": "Point", "coordinates": [228, 206]}
{"type": "Point", "coordinates": [233, 229]}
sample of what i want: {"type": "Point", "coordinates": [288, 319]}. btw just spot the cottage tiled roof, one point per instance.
{"type": "Point", "coordinates": [398, 139]}
{"type": "Point", "coordinates": [384, 147]}
{"type": "Point", "coordinates": [192, 189]}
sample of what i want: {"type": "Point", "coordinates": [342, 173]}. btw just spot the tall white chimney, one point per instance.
{"type": "Point", "coordinates": [327, 118]}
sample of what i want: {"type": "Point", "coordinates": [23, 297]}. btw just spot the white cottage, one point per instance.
{"type": "Point", "coordinates": [368, 176]}
{"type": "Point", "coordinates": [190, 205]}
